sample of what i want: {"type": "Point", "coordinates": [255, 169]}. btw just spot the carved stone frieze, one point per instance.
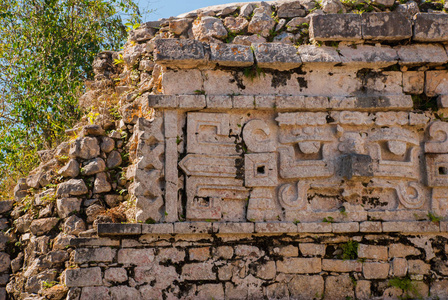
{"type": "Point", "coordinates": [267, 165]}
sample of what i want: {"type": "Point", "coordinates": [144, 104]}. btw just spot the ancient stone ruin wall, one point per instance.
{"type": "Point", "coordinates": [284, 150]}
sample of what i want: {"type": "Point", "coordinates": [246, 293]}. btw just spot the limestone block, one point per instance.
{"type": "Point", "coordinates": [261, 22]}
{"type": "Point", "coordinates": [400, 250]}
{"type": "Point", "coordinates": [182, 82]}
{"type": "Point", "coordinates": [171, 254]}
{"type": "Point", "coordinates": [236, 25]}
{"type": "Point", "coordinates": [277, 291]}
{"type": "Point", "coordinates": [84, 255]}
{"type": "Point", "coordinates": [336, 27]}
{"type": "Point", "coordinates": [323, 55]}
{"type": "Point", "coordinates": [124, 292]}
{"type": "Point", "coordinates": [231, 55]}
{"type": "Point", "coordinates": [399, 267]}
{"type": "Point", "coordinates": [177, 53]}
{"type": "Point", "coordinates": [430, 27]}
{"type": "Point", "coordinates": [71, 169]}
{"type": "Point", "coordinates": [217, 101]}
{"type": "Point", "coordinates": [234, 227]}
{"type": "Point", "coordinates": [90, 293]}
{"type": "Point", "coordinates": [242, 101]}
{"type": "Point", "coordinates": [208, 29]}
{"type": "Point", "coordinates": [210, 291]}
{"type": "Point", "coordinates": [293, 265]}
{"type": "Point", "coordinates": [193, 227]}
{"type": "Point", "coordinates": [345, 227]}
{"type": "Point", "coordinates": [142, 34]}
{"type": "Point", "coordinates": [248, 39]}
{"type": "Point", "coordinates": [162, 101]}
{"type": "Point", "coordinates": [342, 266]}
{"type": "Point", "coordinates": [418, 267]}
{"type": "Point", "coordinates": [413, 82]}
{"type": "Point", "coordinates": [200, 254]}
{"type": "Point", "coordinates": [436, 83]}
{"type": "Point", "coordinates": [43, 226]}
{"type": "Point", "coordinates": [363, 289]}
{"type": "Point", "coordinates": [422, 54]}
{"type": "Point", "coordinates": [372, 252]}
{"type": "Point", "coordinates": [101, 184]}
{"type": "Point", "coordinates": [356, 167]}
{"type": "Point", "coordinates": [198, 271]}
{"type": "Point", "coordinates": [265, 102]}
{"type": "Point", "coordinates": [314, 227]}
{"type": "Point", "coordinates": [306, 286]}
{"type": "Point", "coordinates": [246, 10]}
{"type": "Point", "coordinates": [286, 251]}
{"type": "Point", "coordinates": [296, 23]}
{"type": "Point", "coordinates": [178, 26]}
{"type": "Point", "coordinates": [386, 26]}
{"type": "Point", "coordinates": [260, 169]}
{"type": "Point", "coordinates": [193, 102]}
{"type": "Point", "coordinates": [439, 289]}
{"type": "Point", "coordinates": [91, 242]}
{"type": "Point", "coordinates": [248, 251]}
{"type": "Point", "coordinates": [275, 227]}
{"type": "Point", "coordinates": [105, 229]}
{"type": "Point", "coordinates": [5, 206]}
{"type": "Point", "coordinates": [267, 270]}
{"type": "Point", "coordinates": [73, 225]}
{"type": "Point", "coordinates": [375, 270]}
{"type": "Point", "coordinates": [163, 228]}
{"type": "Point", "coordinates": [368, 56]}
{"type": "Point", "coordinates": [135, 256]}
{"type": "Point", "coordinates": [339, 287]}
{"type": "Point", "coordinates": [290, 9]}
{"type": "Point", "coordinates": [94, 166]}
{"type": "Point", "coordinates": [83, 277]}
{"type": "Point", "coordinates": [420, 226]}
{"type": "Point", "coordinates": [113, 160]}
{"type": "Point", "coordinates": [85, 148]}
{"type": "Point", "coordinates": [5, 262]}
{"type": "Point", "coordinates": [277, 56]}
{"type": "Point", "coordinates": [225, 252]}
{"type": "Point", "coordinates": [66, 206]}
{"type": "Point", "coordinates": [369, 226]}
{"type": "Point", "coordinates": [308, 249]}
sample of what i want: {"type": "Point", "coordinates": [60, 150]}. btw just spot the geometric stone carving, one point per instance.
{"type": "Point", "coordinates": [257, 136]}
{"type": "Point", "coordinates": [260, 169]}
{"type": "Point", "coordinates": [437, 170]}
{"type": "Point", "coordinates": [261, 206]}
{"type": "Point", "coordinates": [438, 134]}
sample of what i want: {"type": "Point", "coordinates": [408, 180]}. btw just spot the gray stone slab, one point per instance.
{"type": "Point", "coordinates": [180, 53]}
{"type": "Point", "coordinates": [422, 54]}
{"type": "Point", "coordinates": [106, 242]}
{"type": "Point", "coordinates": [231, 55]}
{"type": "Point", "coordinates": [311, 54]}
{"type": "Point", "coordinates": [277, 56]}
{"type": "Point", "coordinates": [386, 26]}
{"type": "Point", "coordinates": [163, 228]}
{"type": "Point", "coordinates": [406, 227]}
{"type": "Point", "coordinates": [162, 101]}
{"type": "Point", "coordinates": [336, 27]}
{"type": "Point", "coordinates": [110, 229]}
{"type": "Point", "coordinates": [83, 277]}
{"type": "Point", "coordinates": [368, 56]}
{"type": "Point", "coordinates": [429, 27]}
{"type": "Point", "coordinates": [193, 227]}
{"type": "Point", "coordinates": [191, 101]}
{"type": "Point", "coordinates": [219, 101]}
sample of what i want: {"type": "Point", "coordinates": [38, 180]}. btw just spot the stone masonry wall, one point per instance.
{"type": "Point", "coordinates": [270, 150]}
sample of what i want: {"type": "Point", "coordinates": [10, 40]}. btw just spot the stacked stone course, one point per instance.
{"type": "Point", "coordinates": [267, 150]}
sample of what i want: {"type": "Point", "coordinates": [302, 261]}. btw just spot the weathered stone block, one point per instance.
{"type": "Point", "coordinates": [73, 187]}
{"type": "Point", "coordinates": [336, 27]}
{"type": "Point", "coordinates": [116, 275]}
{"type": "Point", "coordinates": [399, 267]}
{"type": "Point", "coordinates": [91, 293]}
{"type": "Point", "coordinates": [277, 56]}
{"type": "Point", "coordinates": [231, 55]}
{"type": "Point", "coordinates": [436, 83]}
{"type": "Point", "coordinates": [267, 270]}
{"type": "Point", "coordinates": [135, 256]}
{"type": "Point", "coordinates": [286, 251]}
{"type": "Point", "coordinates": [248, 251]}
{"type": "Point", "coordinates": [180, 53]}
{"type": "Point", "coordinates": [124, 292]}
{"type": "Point", "coordinates": [290, 9]}
{"type": "Point", "coordinates": [234, 228]}
{"type": "Point", "coordinates": [83, 277]}
{"type": "Point", "coordinates": [210, 291]}
{"type": "Point", "coordinates": [369, 226]}
{"type": "Point", "coordinates": [182, 82]}
{"type": "Point", "coordinates": [162, 101]}
{"type": "Point", "coordinates": [103, 254]}
{"type": "Point", "coordinates": [192, 102]}
{"type": "Point", "coordinates": [308, 249]}
{"type": "Point", "coordinates": [356, 166]}
{"type": "Point", "coordinates": [200, 254]}
{"type": "Point", "coordinates": [85, 148]}
{"type": "Point", "coordinates": [375, 270]}
{"type": "Point", "coordinates": [413, 82]}
{"type": "Point", "coordinates": [339, 287]}
{"type": "Point", "coordinates": [420, 226]}
{"type": "Point", "coordinates": [439, 289]}
{"type": "Point", "coordinates": [368, 56]}
{"type": "Point", "coordinates": [198, 271]}
{"type": "Point", "coordinates": [386, 26]}
{"type": "Point", "coordinates": [422, 54]}
{"type": "Point", "coordinates": [431, 27]}
{"type": "Point", "coordinates": [303, 287]}
{"type": "Point", "coordinates": [418, 267]}
{"type": "Point", "coordinates": [42, 226]}
{"type": "Point", "coordinates": [162, 228]}
{"type": "Point", "coordinates": [372, 252]}
{"type": "Point", "coordinates": [345, 227]}
{"type": "Point", "coordinates": [363, 289]}
{"type": "Point", "coordinates": [242, 101]}
{"type": "Point", "coordinates": [105, 229]}
{"type": "Point", "coordinates": [295, 265]}
{"type": "Point", "coordinates": [171, 254]}
{"type": "Point", "coordinates": [313, 55]}
{"type": "Point", "coordinates": [193, 227]}
{"type": "Point", "coordinates": [66, 206]}
{"type": "Point", "coordinates": [314, 227]}
{"type": "Point", "coordinates": [337, 265]}
{"type": "Point", "coordinates": [218, 101]}
{"type": "Point", "coordinates": [275, 227]}
{"type": "Point", "coordinates": [400, 250]}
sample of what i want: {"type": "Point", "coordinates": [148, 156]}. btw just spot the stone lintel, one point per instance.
{"type": "Point", "coordinates": [105, 229]}
{"type": "Point", "coordinates": [430, 27]}
{"type": "Point", "coordinates": [336, 27]}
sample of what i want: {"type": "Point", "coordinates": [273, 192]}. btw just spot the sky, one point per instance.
{"type": "Point", "coordinates": [168, 8]}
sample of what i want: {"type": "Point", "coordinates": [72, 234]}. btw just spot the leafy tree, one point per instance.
{"type": "Point", "coordinates": [47, 49]}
